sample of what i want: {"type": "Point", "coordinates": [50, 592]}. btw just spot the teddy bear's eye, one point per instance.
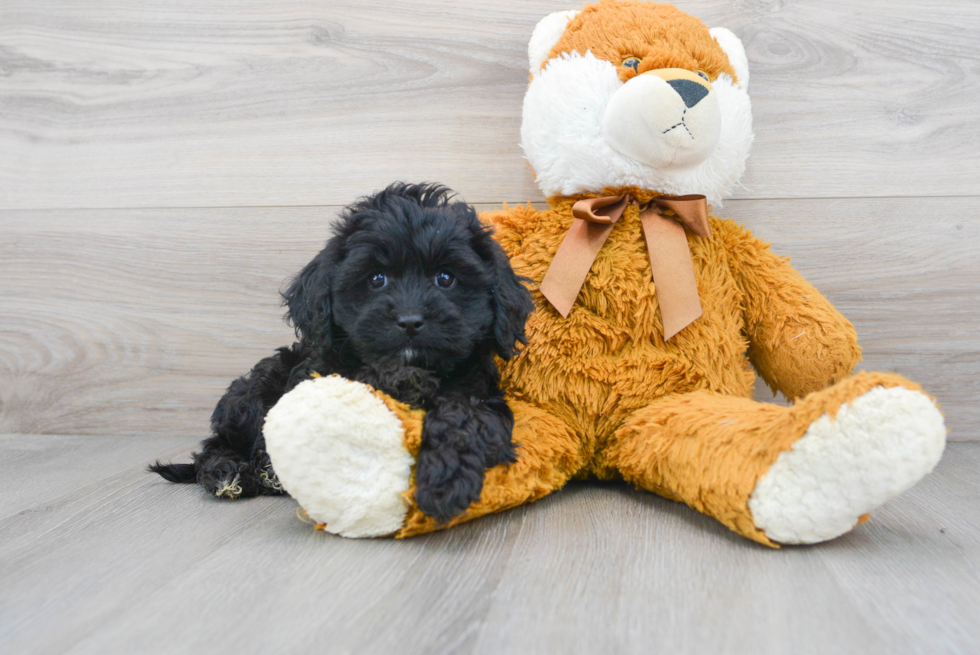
{"type": "Point", "coordinates": [702, 74]}
{"type": "Point", "coordinates": [632, 62]}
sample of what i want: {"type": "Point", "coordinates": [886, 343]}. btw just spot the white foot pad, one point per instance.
{"type": "Point", "coordinates": [338, 450]}
{"type": "Point", "coordinates": [879, 445]}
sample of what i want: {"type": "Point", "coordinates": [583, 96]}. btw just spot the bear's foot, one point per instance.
{"type": "Point", "coordinates": [878, 445]}
{"type": "Point", "coordinates": [339, 451]}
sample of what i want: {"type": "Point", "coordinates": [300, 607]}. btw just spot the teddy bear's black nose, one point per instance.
{"type": "Point", "coordinates": [690, 92]}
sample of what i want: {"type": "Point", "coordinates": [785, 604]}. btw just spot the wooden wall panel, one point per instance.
{"type": "Point", "coordinates": [134, 321]}
{"type": "Point", "coordinates": [308, 102]}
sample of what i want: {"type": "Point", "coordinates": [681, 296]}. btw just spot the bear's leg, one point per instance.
{"type": "Point", "coordinates": [800, 474]}
{"type": "Point", "coordinates": [347, 454]}
{"type": "Point", "coordinates": [548, 454]}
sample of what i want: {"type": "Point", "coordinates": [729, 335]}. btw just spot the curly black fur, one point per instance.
{"type": "Point", "coordinates": [414, 297]}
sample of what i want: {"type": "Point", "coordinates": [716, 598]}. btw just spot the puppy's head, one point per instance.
{"type": "Point", "coordinates": [414, 275]}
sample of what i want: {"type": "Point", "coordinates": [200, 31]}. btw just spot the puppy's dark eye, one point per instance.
{"type": "Point", "coordinates": [632, 62]}
{"type": "Point", "coordinates": [378, 281]}
{"type": "Point", "coordinates": [445, 280]}
{"type": "Point", "coordinates": [702, 74]}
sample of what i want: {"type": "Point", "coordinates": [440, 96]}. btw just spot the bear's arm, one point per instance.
{"type": "Point", "coordinates": [798, 341]}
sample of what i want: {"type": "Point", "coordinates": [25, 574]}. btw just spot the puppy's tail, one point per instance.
{"type": "Point", "coordinates": [180, 473]}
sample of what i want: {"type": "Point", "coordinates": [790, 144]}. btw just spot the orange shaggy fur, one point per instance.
{"type": "Point", "coordinates": [662, 36]}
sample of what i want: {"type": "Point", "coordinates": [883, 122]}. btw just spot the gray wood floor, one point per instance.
{"type": "Point", "coordinates": [97, 556]}
{"type": "Point", "coordinates": [134, 321]}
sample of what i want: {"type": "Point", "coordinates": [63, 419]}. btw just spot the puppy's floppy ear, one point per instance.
{"type": "Point", "coordinates": [308, 299]}
{"type": "Point", "coordinates": [511, 304]}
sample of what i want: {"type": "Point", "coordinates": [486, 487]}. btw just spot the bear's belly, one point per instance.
{"type": "Point", "coordinates": [608, 358]}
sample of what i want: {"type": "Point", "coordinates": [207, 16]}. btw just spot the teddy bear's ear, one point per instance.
{"type": "Point", "coordinates": [733, 47]}
{"type": "Point", "coordinates": [546, 34]}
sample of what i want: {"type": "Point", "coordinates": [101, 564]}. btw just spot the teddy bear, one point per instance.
{"type": "Point", "coordinates": [650, 315]}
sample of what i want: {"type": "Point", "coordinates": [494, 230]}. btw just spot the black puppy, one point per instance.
{"type": "Point", "coordinates": [414, 297]}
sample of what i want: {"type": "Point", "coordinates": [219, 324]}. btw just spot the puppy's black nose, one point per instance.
{"type": "Point", "coordinates": [411, 324]}
{"type": "Point", "coordinates": [690, 92]}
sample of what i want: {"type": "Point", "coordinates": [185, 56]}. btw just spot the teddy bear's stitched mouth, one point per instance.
{"type": "Point", "coordinates": [680, 124]}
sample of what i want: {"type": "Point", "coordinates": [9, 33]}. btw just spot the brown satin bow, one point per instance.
{"type": "Point", "coordinates": [670, 257]}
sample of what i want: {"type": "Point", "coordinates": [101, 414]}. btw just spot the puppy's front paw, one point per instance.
{"type": "Point", "coordinates": [447, 482]}
{"type": "Point", "coordinates": [267, 475]}
{"type": "Point", "coordinates": [405, 383]}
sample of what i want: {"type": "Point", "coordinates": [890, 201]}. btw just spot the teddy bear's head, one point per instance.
{"type": "Point", "coordinates": [627, 93]}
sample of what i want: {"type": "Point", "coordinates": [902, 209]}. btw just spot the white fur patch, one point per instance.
{"type": "Point", "coordinates": [562, 138]}
{"type": "Point", "coordinates": [546, 34]}
{"type": "Point", "coordinates": [879, 445]}
{"type": "Point", "coordinates": [338, 450]}
{"type": "Point", "coordinates": [733, 47]}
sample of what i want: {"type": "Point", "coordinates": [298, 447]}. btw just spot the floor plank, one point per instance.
{"type": "Point", "coordinates": [135, 321]}
{"type": "Point", "coordinates": [120, 561]}
{"type": "Point", "coordinates": [302, 102]}
{"type": "Point", "coordinates": [55, 462]}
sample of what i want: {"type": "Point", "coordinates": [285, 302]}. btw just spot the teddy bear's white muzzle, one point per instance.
{"type": "Point", "coordinates": [663, 123]}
